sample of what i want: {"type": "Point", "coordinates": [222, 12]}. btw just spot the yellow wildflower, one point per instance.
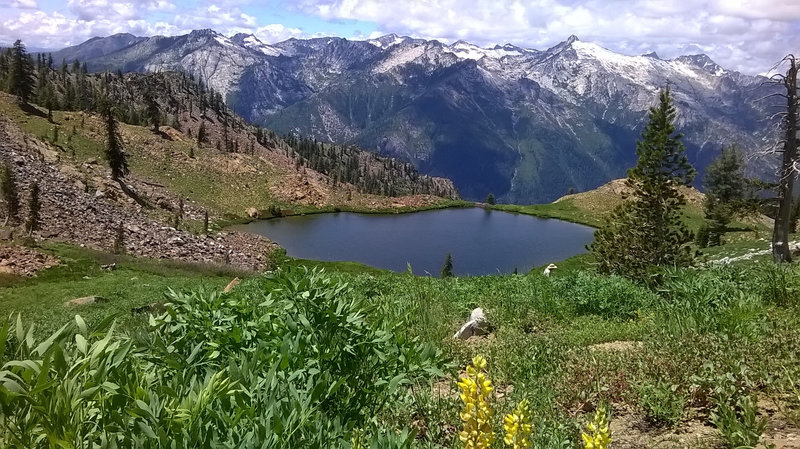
{"type": "Point", "coordinates": [518, 427]}
{"type": "Point", "coordinates": [476, 417]}
{"type": "Point", "coordinates": [598, 436]}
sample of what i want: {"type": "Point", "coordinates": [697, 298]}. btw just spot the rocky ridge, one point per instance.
{"type": "Point", "coordinates": [524, 124]}
{"type": "Point", "coordinates": [91, 218]}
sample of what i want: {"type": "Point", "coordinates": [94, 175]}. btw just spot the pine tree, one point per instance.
{"type": "Point", "coordinates": [727, 193]}
{"type": "Point", "coordinates": [153, 110]}
{"type": "Point", "coordinates": [490, 199]}
{"type": "Point", "coordinates": [8, 189]}
{"type": "Point", "coordinates": [115, 154]}
{"type": "Point", "coordinates": [34, 207]}
{"type": "Point", "coordinates": [447, 267]}
{"type": "Point", "coordinates": [21, 80]}
{"type": "Point", "coordinates": [201, 133]}
{"type": "Point", "coordinates": [646, 230]}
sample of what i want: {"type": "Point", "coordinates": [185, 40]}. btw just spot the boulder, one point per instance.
{"type": "Point", "coordinates": [252, 212]}
{"type": "Point", "coordinates": [549, 269]}
{"type": "Point", "coordinates": [85, 301]}
{"type": "Point", "coordinates": [6, 234]}
{"type": "Point", "coordinates": [477, 325]}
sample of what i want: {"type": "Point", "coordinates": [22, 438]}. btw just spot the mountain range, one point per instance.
{"type": "Point", "coordinates": [526, 125]}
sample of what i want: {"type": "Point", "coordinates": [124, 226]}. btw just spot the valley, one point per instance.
{"type": "Point", "coordinates": [526, 125]}
{"type": "Point", "coordinates": [239, 271]}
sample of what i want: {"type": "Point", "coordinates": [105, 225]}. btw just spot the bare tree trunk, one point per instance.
{"type": "Point", "coordinates": [780, 233]}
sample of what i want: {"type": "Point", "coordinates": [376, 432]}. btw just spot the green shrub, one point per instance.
{"type": "Point", "coordinates": [606, 296]}
{"type": "Point", "coordinates": [723, 299]}
{"type": "Point", "coordinates": [739, 422]}
{"type": "Point", "coordinates": [290, 360]}
{"type": "Point", "coordinates": [661, 403]}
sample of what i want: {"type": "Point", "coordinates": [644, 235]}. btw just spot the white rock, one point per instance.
{"type": "Point", "coordinates": [549, 269]}
{"type": "Point", "coordinates": [477, 325]}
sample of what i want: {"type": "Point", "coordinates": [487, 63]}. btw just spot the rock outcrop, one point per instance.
{"type": "Point", "coordinates": [72, 212]}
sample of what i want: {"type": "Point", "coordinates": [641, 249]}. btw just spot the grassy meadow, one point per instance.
{"type": "Point", "coordinates": [356, 357]}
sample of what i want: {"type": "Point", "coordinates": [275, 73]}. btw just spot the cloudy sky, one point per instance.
{"type": "Point", "coordinates": [747, 35]}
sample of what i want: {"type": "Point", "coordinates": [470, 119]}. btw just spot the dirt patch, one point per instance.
{"type": "Point", "coordinates": [631, 431]}
{"type": "Point", "coordinates": [22, 261]}
{"type": "Point", "coordinates": [781, 431]}
{"type": "Point", "coordinates": [618, 346]}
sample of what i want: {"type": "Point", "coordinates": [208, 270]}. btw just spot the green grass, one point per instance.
{"type": "Point", "coordinates": [562, 210]}
{"type": "Point", "coordinates": [703, 331]}
{"type": "Point", "coordinates": [134, 283]}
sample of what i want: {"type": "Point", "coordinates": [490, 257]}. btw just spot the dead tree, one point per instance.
{"type": "Point", "coordinates": [789, 165]}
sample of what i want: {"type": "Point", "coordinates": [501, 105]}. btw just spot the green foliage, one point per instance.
{"type": "Point", "coordinates": [34, 207]}
{"type": "Point", "coordinates": [728, 193]}
{"type": "Point", "coordinates": [605, 296]}
{"type": "Point", "coordinates": [292, 360]}
{"type": "Point", "coordinates": [447, 267]}
{"type": "Point", "coordinates": [701, 238]}
{"type": "Point", "coordinates": [739, 423]}
{"type": "Point", "coordinates": [490, 199]}
{"type": "Point", "coordinates": [153, 110]}
{"type": "Point", "coordinates": [8, 190]}
{"type": "Point", "coordinates": [661, 402]}
{"type": "Point", "coordinates": [647, 231]}
{"type": "Point", "coordinates": [712, 301]}
{"type": "Point", "coordinates": [115, 154]}
{"type": "Point", "coordinates": [21, 80]}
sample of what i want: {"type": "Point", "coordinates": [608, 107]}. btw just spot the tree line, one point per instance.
{"type": "Point", "coordinates": [367, 171]}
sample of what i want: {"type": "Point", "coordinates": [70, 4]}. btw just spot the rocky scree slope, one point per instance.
{"type": "Point", "coordinates": [88, 210]}
{"type": "Point", "coordinates": [524, 124]}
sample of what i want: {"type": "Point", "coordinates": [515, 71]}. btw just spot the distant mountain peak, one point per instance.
{"type": "Point", "coordinates": [388, 40]}
{"type": "Point", "coordinates": [652, 54]}
{"type": "Point", "coordinates": [702, 61]}
{"type": "Point", "coordinates": [561, 46]}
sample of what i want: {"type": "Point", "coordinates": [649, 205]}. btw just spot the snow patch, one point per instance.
{"type": "Point", "coordinates": [465, 50]}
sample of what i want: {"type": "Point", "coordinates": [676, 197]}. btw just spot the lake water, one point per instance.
{"type": "Point", "coordinates": [480, 241]}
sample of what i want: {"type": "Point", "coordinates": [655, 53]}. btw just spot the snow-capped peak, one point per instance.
{"type": "Point", "coordinates": [387, 41]}
{"type": "Point", "coordinates": [702, 61]}
{"type": "Point", "coordinates": [465, 50]}
{"type": "Point", "coordinates": [252, 42]}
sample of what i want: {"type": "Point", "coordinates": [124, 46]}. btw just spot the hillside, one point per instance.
{"type": "Point", "coordinates": [235, 172]}
{"type": "Point", "coordinates": [524, 124]}
{"type": "Point", "coordinates": [229, 148]}
{"type": "Point", "coordinates": [592, 207]}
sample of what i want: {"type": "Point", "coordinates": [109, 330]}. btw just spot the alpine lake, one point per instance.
{"type": "Point", "coordinates": [480, 241]}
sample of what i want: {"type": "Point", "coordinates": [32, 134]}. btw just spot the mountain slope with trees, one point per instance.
{"type": "Point", "coordinates": [526, 125]}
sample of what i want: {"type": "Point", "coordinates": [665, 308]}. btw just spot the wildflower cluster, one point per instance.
{"type": "Point", "coordinates": [518, 427]}
{"type": "Point", "coordinates": [598, 436]}
{"type": "Point", "coordinates": [476, 432]}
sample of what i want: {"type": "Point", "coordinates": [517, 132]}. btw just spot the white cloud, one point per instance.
{"type": "Point", "coordinates": [19, 4]}
{"type": "Point", "coordinates": [731, 32]}
{"type": "Point", "coordinates": [116, 9]}
{"type": "Point", "coordinates": [277, 33]}
{"type": "Point", "coordinates": [747, 35]}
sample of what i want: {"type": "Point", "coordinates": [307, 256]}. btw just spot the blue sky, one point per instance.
{"type": "Point", "coordinates": [746, 35]}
